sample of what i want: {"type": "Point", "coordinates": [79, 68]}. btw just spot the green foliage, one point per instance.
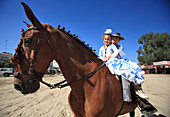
{"type": "Point", "coordinates": [7, 53]}
{"type": "Point", "coordinates": [5, 63]}
{"type": "Point", "coordinates": [155, 47]}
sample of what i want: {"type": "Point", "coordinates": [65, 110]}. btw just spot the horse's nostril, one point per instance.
{"type": "Point", "coordinates": [17, 87]}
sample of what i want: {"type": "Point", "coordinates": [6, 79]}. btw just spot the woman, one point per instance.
{"type": "Point", "coordinates": [127, 69]}
{"type": "Point", "coordinates": [115, 40]}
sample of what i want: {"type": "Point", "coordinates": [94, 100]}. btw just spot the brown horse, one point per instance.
{"type": "Point", "coordinates": [98, 96]}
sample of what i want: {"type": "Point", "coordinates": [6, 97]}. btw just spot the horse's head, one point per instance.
{"type": "Point", "coordinates": [33, 55]}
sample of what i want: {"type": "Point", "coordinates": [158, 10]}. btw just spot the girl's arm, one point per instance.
{"type": "Point", "coordinates": [107, 58]}
{"type": "Point", "coordinates": [115, 53]}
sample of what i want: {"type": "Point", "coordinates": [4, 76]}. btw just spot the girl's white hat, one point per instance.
{"type": "Point", "coordinates": [108, 31]}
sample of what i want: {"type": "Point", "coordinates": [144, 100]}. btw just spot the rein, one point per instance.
{"type": "Point", "coordinates": [61, 85]}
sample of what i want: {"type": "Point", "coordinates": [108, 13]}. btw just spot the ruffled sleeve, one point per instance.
{"type": "Point", "coordinates": [121, 53]}
{"type": "Point", "coordinates": [101, 56]}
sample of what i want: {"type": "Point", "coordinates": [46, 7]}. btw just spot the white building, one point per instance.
{"type": "Point", "coordinates": [54, 65]}
{"type": "Point", "coordinates": [4, 55]}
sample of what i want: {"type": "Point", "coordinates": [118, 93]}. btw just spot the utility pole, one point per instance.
{"type": "Point", "coordinates": [6, 45]}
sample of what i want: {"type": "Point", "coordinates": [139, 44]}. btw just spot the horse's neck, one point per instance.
{"type": "Point", "coordinates": [74, 59]}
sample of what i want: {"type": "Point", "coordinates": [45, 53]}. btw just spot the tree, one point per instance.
{"type": "Point", "coordinates": [7, 53]}
{"type": "Point", "coordinates": [6, 63]}
{"type": "Point", "coordinates": [155, 47]}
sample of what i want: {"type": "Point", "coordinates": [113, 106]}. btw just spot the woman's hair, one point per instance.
{"type": "Point", "coordinates": [107, 34]}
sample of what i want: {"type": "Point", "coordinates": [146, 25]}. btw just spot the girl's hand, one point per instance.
{"type": "Point", "coordinates": [106, 58]}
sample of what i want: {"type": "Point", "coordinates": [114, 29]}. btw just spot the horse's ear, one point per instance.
{"type": "Point", "coordinates": [28, 25]}
{"type": "Point", "coordinates": [31, 16]}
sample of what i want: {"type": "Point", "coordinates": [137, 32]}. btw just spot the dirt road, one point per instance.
{"type": "Point", "coordinates": [54, 103]}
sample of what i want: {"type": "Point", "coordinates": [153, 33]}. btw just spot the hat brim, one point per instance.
{"type": "Point", "coordinates": [121, 38]}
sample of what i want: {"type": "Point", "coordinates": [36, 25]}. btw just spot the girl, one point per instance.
{"type": "Point", "coordinates": [109, 50]}
{"type": "Point", "coordinates": [127, 69]}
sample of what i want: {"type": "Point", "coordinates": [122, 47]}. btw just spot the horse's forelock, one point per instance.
{"type": "Point", "coordinates": [18, 51]}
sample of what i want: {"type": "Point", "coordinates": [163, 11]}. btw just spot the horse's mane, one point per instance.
{"type": "Point", "coordinates": [75, 37]}
{"type": "Point", "coordinates": [18, 50]}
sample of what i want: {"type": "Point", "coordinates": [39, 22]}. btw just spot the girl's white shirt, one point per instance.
{"type": "Point", "coordinates": [110, 50]}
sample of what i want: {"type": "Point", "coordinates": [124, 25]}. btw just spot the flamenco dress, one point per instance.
{"type": "Point", "coordinates": [123, 67]}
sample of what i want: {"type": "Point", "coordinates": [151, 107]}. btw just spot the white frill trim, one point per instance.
{"type": "Point", "coordinates": [127, 69]}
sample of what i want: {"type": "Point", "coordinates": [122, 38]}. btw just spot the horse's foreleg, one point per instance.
{"type": "Point", "coordinates": [132, 114]}
{"type": "Point", "coordinates": [76, 107]}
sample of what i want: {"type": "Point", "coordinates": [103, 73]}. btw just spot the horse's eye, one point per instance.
{"type": "Point", "coordinates": [27, 41]}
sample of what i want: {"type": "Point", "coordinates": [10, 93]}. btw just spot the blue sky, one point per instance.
{"type": "Point", "coordinates": [88, 19]}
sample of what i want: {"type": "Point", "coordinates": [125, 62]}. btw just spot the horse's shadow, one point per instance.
{"type": "Point", "coordinates": [160, 115]}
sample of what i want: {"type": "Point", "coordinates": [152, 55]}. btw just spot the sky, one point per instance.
{"type": "Point", "coordinates": [88, 19]}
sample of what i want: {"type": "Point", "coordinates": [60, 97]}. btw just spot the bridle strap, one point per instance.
{"type": "Point", "coordinates": [61, 85]}
{"type": "Point", "coordinates": [30, 28]}
{"type": "Point", "coordinates": [36, 74]}
{"type": "Point", "coordinates": [38, 44]}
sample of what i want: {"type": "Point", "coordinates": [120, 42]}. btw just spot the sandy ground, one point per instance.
{"type": "Point", "coordinates": [54, 103]}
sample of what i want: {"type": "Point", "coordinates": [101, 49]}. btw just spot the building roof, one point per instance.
{"type": "Point", "coordinates": [5, 55]}
{"type": "Point", "coordinates": [161, 63]}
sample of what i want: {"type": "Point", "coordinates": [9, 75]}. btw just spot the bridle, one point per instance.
{"type": "Point", "coordinates": [32, 73]}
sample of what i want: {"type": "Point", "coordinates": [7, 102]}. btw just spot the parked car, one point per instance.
{"type": "Point", "coordinates": [51, 72]}
{"type": "Point", "coordinates": [6, 72]}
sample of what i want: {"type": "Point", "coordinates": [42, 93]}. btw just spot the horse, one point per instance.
{"type": "Point", "coordinates": [100, 95]}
